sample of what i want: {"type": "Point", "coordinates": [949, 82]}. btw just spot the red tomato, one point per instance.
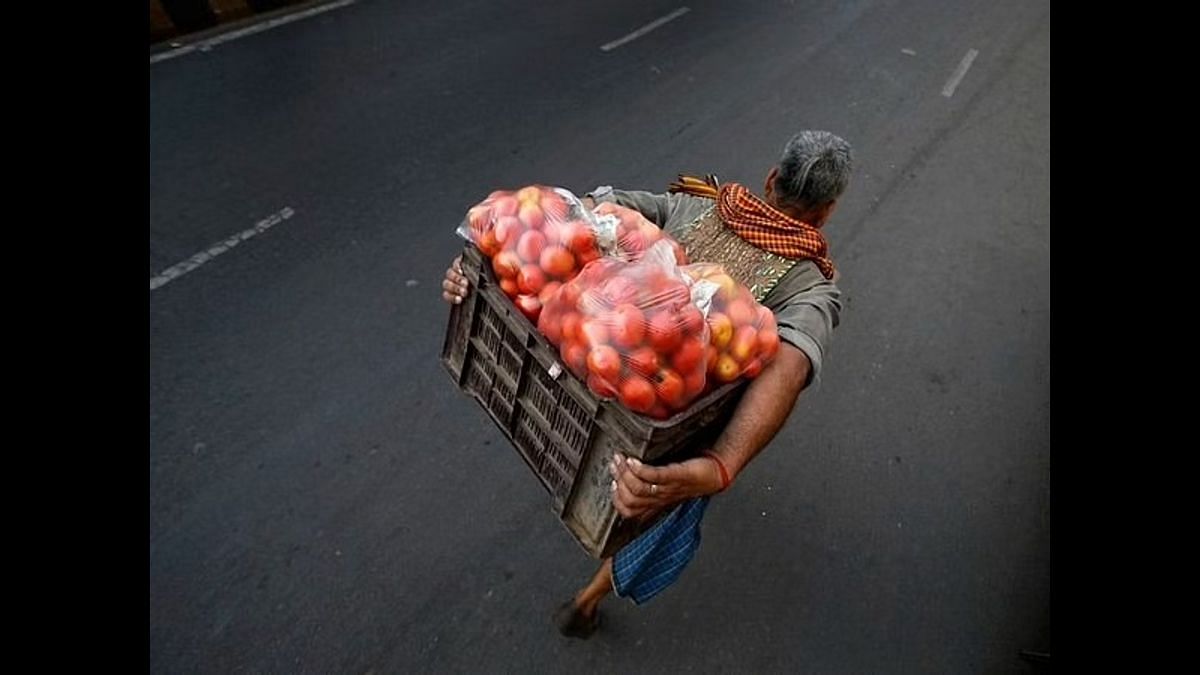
{"type": "Point", "coordinates": [693, 384]}
{"type": "Point", "coordinates": [506, 265]}
{"type": "Point", "coordinates": [643, 361]}
{"type": "Point", "coordinates": [530, 306]}
{"type": "Point", "coordinates": [580, 238]}
{"type": "Point", "coordinates": [530, 246]}
{"type": "Point", "coordinates": [553, 232]}
{"type": "Point", "coordinates": [488, 244]}
{"type": "Point", "coordinates": [550, 324]}
{"type": "Point", "coordinates": [574, 355]}
{"type": "Point", "coordinates": [558, 262]}
{"type": "Point", "coordinates": [632, 242]}
{"type": "Point", "coordinates": [753, 368]}
{"type": "Point", "coordinates": [508, 231]}
{"type": "Point", "coordinates": [570, 326]}
{"type": "Point", "coordinates": [710, 358]}
{"type": "Point", "coordinates": [689, 356]}
{"type": "Point", "coordinates": [478, 218]}
{"type": "Point", "coordinates": [505, 205]}
{"type": "Point", "coordinates": [672, 294]}
{"type": "Point", "coordinates": [604, 362]}
{"type": "Point", "coordinates": [637, 394]}
{"type": "Point", "coordinates": [659, 411]}
{"type": "Point", "coordinates": [664, 333]}
{"type": "Point", "coordinates": [629, 326]}
{"type": "Point", "coordinates": [588, 256]}
{"type": "Point", "coordinates": [570, 295]}
{"type": "Point", "coordinates": [618, 290]}
{"type": "Point", "coordinates": [594, 274]}
{"type": "Point", "coordinates": [670, 388]}
{"type": "Point", "coordinates": [600, 387]}
{"type": "Point", "coordinates": [691, 321]}
{"type": "Point", "coordinates": [593, 332]}
{"type": "Point", "coordinates": [548, 291]}
{"type": "Point", "coordinates": [531, 279]}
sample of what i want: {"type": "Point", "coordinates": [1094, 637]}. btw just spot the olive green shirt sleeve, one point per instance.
{"type": "Point", "coordinates": [807, 307]}
{"type": "Point", "coordinates": [671, 212]}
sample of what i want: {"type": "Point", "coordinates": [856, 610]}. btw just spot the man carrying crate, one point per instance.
{"type": "Point", "coordinates": [774, 245]}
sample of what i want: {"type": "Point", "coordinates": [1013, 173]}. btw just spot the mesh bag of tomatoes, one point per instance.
{"type": "Point", "coordinates": [631, 233]}
{"type": "Point", "coordinates": [743, 335]}
{"type": "Point", "coordinates": [536, 238]}
{"type": "Point", "coordinates": [631, 331]}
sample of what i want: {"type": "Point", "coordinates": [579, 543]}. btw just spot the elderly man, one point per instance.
{"type": "Point", "coordinates": [775, 246]}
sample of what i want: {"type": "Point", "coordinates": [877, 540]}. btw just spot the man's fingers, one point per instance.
{"type": "Point", "coordinates": [628, 504]}
{"type": "Point", "coordinates": [635, 485]}
{"type": "Point", "coordinates": [663, 483]}
{"type": "Point", "coordinates": [649, 474]}
{"type": "Point", "coordinates": [640, 487]}
{"type": "Point", "coordinates": [451, 293]}
{"type": "Point", "coordinates": [634, 493]}
{"type": "Point", "coordinates": [454, 286]}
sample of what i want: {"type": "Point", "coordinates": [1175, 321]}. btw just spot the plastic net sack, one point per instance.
{"type": "Point", "coordinates": [536, 238]}
{"type": "Point", "coordinates": [743, 336]}
{"type": "Point", "coordinates": [632, 331]}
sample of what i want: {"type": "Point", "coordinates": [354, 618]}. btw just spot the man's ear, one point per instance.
{"type": "Point", "coordinates": [769, 187]}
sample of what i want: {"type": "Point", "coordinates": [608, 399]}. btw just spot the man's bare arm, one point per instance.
{"type": "Point", "coordinates": [764, 408]}
{"type": "Point", "coordinates": [642, 490]}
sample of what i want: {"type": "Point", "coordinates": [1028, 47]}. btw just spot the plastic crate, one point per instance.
{"type": "Point", "coordinates": [565, 433]}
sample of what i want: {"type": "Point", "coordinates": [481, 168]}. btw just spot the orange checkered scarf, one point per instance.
{"type": "Point", "coordinates": [760, 223]}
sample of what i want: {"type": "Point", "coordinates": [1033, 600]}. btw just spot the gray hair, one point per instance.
{"type": "Point", "coordinates": [814, 170]}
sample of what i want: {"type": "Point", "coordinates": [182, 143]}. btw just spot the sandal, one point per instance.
{"type": "Point", "coordinates": [572, 623]}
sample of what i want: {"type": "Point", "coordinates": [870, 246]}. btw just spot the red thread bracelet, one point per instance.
{"type": "Point", "coordinates": [725, 481]}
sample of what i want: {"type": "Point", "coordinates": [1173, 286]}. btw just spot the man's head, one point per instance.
{"type": "Point", "coordinates": [811, 176]}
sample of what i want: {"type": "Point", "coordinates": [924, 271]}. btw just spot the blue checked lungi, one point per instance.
{"type": "Point", "coordinates": [652, 562]}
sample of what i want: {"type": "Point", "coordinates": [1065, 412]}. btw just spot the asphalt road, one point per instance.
{"type": "Point", "coordinates": [322, 499]}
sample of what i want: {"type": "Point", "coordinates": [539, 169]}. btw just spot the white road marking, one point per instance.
{"type": "Point", "coordinates": [908, 51]}
{"type": "Point", "coordinates": [963, 67]}
{"type": "Point", "coordinates": [176, 271]}
{"type": "Point", "coordinates": [645, 29]}
{"type": "Point", "coordinates": [205, 45]}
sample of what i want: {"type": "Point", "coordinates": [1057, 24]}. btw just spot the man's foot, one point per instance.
{"type": "Point", "coordinates": [572, 622]}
